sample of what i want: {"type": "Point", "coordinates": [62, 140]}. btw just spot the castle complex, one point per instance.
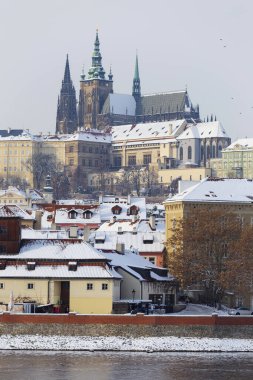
{"type": "Point", "coordinates": [99, 107]}
{"type": "Point", "coordinates": [107, 132]}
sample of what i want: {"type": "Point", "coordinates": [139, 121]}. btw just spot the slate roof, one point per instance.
{"type": "Point", "coordinates": [11, 132]}
{"type": "Point", "coordinates": [119, 104]}
{"type": "Point", "coordinates": [164, 103]}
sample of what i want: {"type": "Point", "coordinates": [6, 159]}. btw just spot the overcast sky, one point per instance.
{"type": "Point", "coordinates": [204, 45]}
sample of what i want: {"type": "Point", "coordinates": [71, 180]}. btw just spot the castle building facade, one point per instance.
{"type": "Point", "coordinates": [99, 107]}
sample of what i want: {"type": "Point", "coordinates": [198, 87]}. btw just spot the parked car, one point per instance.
{"type": "Point", "coordinates": [240, 311]}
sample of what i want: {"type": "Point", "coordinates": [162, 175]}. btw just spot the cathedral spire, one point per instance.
{"type": "Point", "coordinates": [136, 92]}
{"type": "Point", "coordinates": [67, 78]}
{"type": "Point", "coordinates": [66, 119]}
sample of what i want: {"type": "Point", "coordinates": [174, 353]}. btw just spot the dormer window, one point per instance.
{"type": "Point", "coordinates": [100, 237]}
{"type": "Point", "coordinates": [2, 265]}
{"type": "Point", "coordinates": [72, 214]}
{"type": "Point", "coordinates": [30, 265]}
{"type": "Point", "coordinates": [72, 266]}
{"type": "Point", "coordinates": [116, 210]}
{"type": "Point", "coordinates": [133, 210]}
{"type": "Point", "coordinates": [87, 214]}
{"type": "Point", "coordinates": [148, 239]}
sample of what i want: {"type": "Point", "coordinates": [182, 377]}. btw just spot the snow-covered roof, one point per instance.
{"type": "Point", "coordinates": [30, 234]}
{"type": "Point", "coordinates": [217, 190]}
{"type": "Point", "coordinates": [134, 264]}
{"type": "Point", "coordinates": [241, 144]}
{"type": "Point", "coordinates": [12, 191]}
{"type": "Point", "coordinates": [52, 250]}
{"type": "Point", "coordinates": [131, 241]}
{"type": "Point", "coordinates": [106, 213]}
{"type": "Point", "coordinates": [132, 226]}
{"type": "Point", "coordinates": [55, 271]}
{"type": "Point", "coordinates": [62, 217]}
{"type": "Point", "coordinates": [154, 131]}
{"type": "Point", "coordinates": [120, 104]}
{"type": "Point", "coordinates": [92, 136]}
{"type": "Point", "coordinates": [13, 210]}
{"type": "Point", "coordinates": [203, 131]}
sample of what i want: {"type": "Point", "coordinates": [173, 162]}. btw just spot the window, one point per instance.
{"type": "Point", "coordinates": [89, 286]}
{"type": "Point", "coordinates": [117, 161]}
{"type": "Point", "coordinates": [71, 161]}
{"type": "Point", "coordinates": [71, 149]}
{"type": "Point", "coordinates": [96, 163]}
{"type": "Point", "coordinates": [146, 159]}
{"type": "Point", "coordinates": [151, 260]}
{"type": "Point", "coordinates": [83, 162]}
{"type": "Point", "coordinates": [3, 230]}
{"type": "Point", "coordinates": [84, 149]}
{"type": "Point", "coordinates": [2, 248]}
{"type": "Point", "coordinates": [208, 152]}
{"type": "Point", "coordinates": [131, 160]}
{"type": "Point", "coordinates": [181, 154]}
{"type": "Point", "coordinates": [104, 286]}
{"type": "Point", "coordinates": [189, 152]}
{"type": "Point", "coordinates": [90, 149]}
{"type": "Point", "coordinates": [1, 285]}
{"type": "Point", "coordinates": [213, 151]}
{"type": "Point", "coordinates": [30, 286]}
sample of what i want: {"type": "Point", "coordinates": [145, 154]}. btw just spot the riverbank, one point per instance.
{"type": "Point", "coordinates": [112, 343]}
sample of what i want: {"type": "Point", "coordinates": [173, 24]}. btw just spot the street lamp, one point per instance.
{"type": "Point", "coordinates": [133, 294]}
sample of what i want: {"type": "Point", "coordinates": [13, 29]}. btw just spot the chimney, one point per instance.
{"type": "Point", "coordinates": [100, 199]}
{"type": "Point", "coordinates": [38, 217]}
{"type": "Point", "coordinates": [170, 129]}
{"type": "Point", "coordinates": [120, 248]}
{"type": "Point", "coordinates": [120, 230]}
{"type": "Point", "coordinates": [129, 199]}
{"type": "Point", "coordinates": [152, 222]}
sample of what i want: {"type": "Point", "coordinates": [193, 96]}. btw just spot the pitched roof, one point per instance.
{"type": "Point", "coordinates": [203, 131]}
{"type": "Point", "coordinates": [119, 104]}
{"type": "Point", "coordinates": [215, 190]}
{"type": "Point", "coordinates": [165, 103]}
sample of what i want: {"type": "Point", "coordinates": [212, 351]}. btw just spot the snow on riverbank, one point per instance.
{"type": "Point", "coordinates": [70, 343]}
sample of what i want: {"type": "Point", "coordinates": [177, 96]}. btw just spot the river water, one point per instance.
{"type": "Point", "coordinates": [45, 365]}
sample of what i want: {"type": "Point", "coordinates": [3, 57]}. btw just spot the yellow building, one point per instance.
{"type": "Point", "coordinates": [15, 150]}
{"type": "Point", "coordinates": [231, 195]}
{"type": "Point", "coordinates": [72, 278]}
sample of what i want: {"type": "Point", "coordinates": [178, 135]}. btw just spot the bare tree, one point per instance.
{"type": "Point", "coordinates": [204, 252]}
{"type": "Point", "coordinates": [40, 165]}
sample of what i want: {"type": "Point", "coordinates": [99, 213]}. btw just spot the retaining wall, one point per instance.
{"type": "Point", "coordinates": [127, 325]}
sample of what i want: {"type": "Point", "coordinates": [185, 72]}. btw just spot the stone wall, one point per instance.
{"type": "Point", "coordinates": [127, 325]}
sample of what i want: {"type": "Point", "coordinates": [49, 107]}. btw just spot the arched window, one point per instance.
{"type": "Point", "coordinates": [181, 154]}
{"type": "Point", "coordinates": [208, 152]}
{"type": "Point", "coordinates": [189, 152]}
{"type": "Point", "coordinates": [219, 151]}
{"type": "Point", "coordinates": [202, 153]}
{"type": "Point", "coordinates": [213, 151]}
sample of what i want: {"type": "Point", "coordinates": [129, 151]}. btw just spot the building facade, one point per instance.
{"type": "Point", "coordinates": [236, 160]}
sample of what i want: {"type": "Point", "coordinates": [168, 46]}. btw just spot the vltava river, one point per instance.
{"type": "Point", "coordinates": [45, 365]}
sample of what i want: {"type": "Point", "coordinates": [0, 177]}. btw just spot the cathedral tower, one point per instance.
{"type": "Point", "coordinates": [93, 91]}
{"type": "Point", "coordinates": [66, 119]}
{"type": "Point", "coordinates": [136, 91]}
